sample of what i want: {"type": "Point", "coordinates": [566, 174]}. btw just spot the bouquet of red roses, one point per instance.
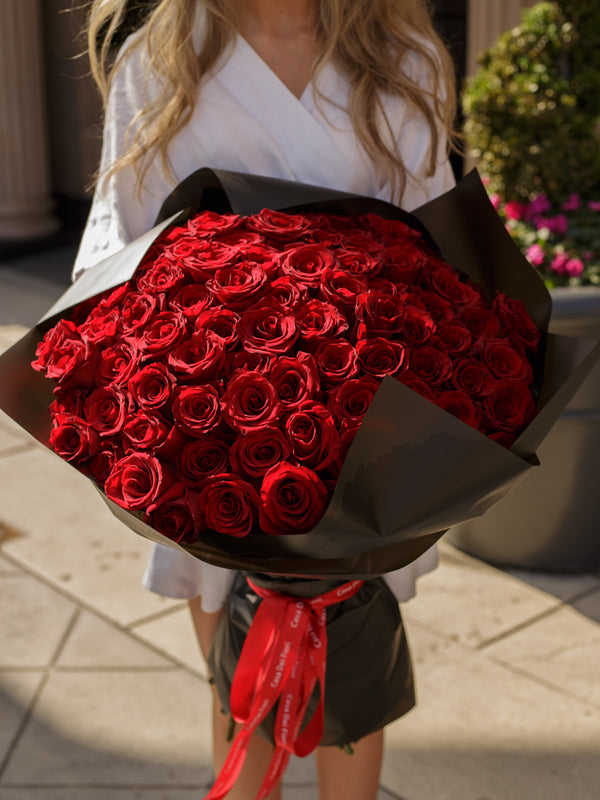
{"type": "Point", "coordinates": [221, 387]}
{"type": "Point", "coordinates": [246, 372]}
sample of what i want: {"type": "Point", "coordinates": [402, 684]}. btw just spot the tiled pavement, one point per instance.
{"type": "Point", "coordinates": [102, 690]}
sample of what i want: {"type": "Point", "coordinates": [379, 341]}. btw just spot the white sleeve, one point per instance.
{"type": "Point", "coordinates": [116, 209]}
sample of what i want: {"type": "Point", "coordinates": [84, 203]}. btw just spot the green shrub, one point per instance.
{"type": "Point", "coordinates": [533, 109]}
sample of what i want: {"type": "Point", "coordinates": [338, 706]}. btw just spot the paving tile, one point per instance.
{"type": "Point", "coordinates": [563, 649]}
{"type": "Point", "coordinates": [483, 732]}
{"type": "Point", "coordinates": [96, 643]}
{"type": "Point", "coordinates": [17, 690]}
{"type": "Point", "coordinates": [117, 728]}
{"type": "Point", "coordinates": [34, 619]}
{"type": "Point", "coordinates": [174, 634]}
{"type": "Point", "coordinates": [429, 648]}
{"type": "Point", "coordinates": [472, 602]}
{"type": "Point", "coordinates": [70, 536]}
{"type": "Point", "coordinates": [9, 334]}
{"type": "Point", "coordinates": [11, 436]}
{"type": "Point", "coordinates": [7, 568]}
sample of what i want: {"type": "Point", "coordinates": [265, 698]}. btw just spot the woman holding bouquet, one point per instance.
{"type": "Point", "coordinates": [354, 95]}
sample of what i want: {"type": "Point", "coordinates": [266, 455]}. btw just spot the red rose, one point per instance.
{"type": "Point", "coordinates": [514, 316]}
{"type": "Point", "coordinates": [293, 500]}
{"type": "Point", "coordinates": [229, 505]}
{"type": "Point", "coordinates": [255, 452]}
{"type": "Point", "coordinates": [510, 406]}
{"type": "Point", "coordinates": [379, 357]}
{"type": "Point", "coordinates": [312, 433]}
{"type": "Point", "coordinates": [200, 259]}
{"type": "Point", "coordinates": [440, 309]}
{"type": "Point", "coordinates": [209, 222]}
{"type": "Point", "coordinates": [223, 322]}
{"type": "Point", "coordinates": [447, 282]}
{"type": "Point", "coordinates": [462, 406]}
{"type": "Point", "coordinates": [238, 286]}
{"type": "Point", "coordinates": [101, 326]}
{"type": "Point", "coordinates": [137, 309]}
{"type": "Point", "coordinates": [453, 337]}
{"type": "Point", "coordinates": [250, 401]}
{"type": "Point", "coordinates": [430, 365]}
{"type": "Point", "coordinates": [418, 326]}
{"type": "Point", "coordinates": [379, 314]}
{"type": "Point", "coordinates": [480, 322]}
{"type": "Point", "coordinates": [278, 225]}
{"type": "Point", "coordinates": [267, 330]}
{"type": "Point", "coordinates": [176, 514]}
{"type": "Point", "coordinates": [117, 363]}
{"type": "Point", "coordinates": [63, 355]}
{"type": "Point", "coordinates": [145, 431]}
{"type": "Point", "coordinates": [152, 386]}
{"type": "Point", "coordinates": [404, 263]}
{"type": "Point", "coordinates": [190, 300]}
{"type": "Point", "coordinates": [264, 255]}
{"type": "Point", "coordinates": [505, 363]}
{"type": "Point", "coordinates": [162, 275]}
{"type": "Point", "coordinates": [359, 262]}
{"type": "Point", "coordinates": [73, 439]}
{"type": "Point", "coordinates": [107, 456]}
{"type": "Point", "coordinates": [389, 230]}
{"type": "Point", "coordinates": [336, 361]}
{"type": "Point", "coordinates": [342, 289]}
{"type": "Point", "coordinates": [473, 377]}
{"type": "Point", "coordinates": [201, 458]}
{"type": "Point", "coordinates": [240, 237]}
{"type": "Point", "coordinates": [307, 263]}
{"type": "Point", "coordinates": [286, 293]}
{"type": "Point", "coordinates": [200, 357]}
{"type": "Point", "coordinates": [349, 401]}
{"type": "Point", "coordinates": [137, 480]}
{"type": "Point", "coordinates": [197, 409]}
{"type": "Point", "coordinates": [317, 320]}
{"type": "Point", "coordinates": [295, 379]}
{"type": "Point", "coordinates": [106, 410]}
{"type": "Point", "coordinates": [161, 334]}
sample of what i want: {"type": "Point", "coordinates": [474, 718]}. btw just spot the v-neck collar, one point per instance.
{"type": "Point", "coordinates": [265, 68]}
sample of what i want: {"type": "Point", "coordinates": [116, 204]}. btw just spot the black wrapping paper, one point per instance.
{"type": "Point", "coordinates": [369, 677]}
{"type": "Point", "coordinates": [413, 470]}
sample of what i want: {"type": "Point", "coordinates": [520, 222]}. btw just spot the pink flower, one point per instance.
{"type": "Point", "coordinates": [539, 205]}
{"type": "Point", "coordinates": [559, 263]}
{"type": "Point", "coordinates": [574, 267]}
{"type": "Point", "coordinates": [495, 200]}
{"type": "Point", "coordinates": [515, 210]}
{"type": "Point", "coordinates": [536, 255]}
{"type": "Point", "coordinates": [557, 224]}
{"type": "Point", "coordinates": [572, 204]}
{"type": "Point", "coordinates": [594, 205]}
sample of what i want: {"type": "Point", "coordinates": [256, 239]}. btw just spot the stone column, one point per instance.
{"type": "Point", "coordinates": [487, 19]}
{"type": "Point", "coordinates": [25, 194]}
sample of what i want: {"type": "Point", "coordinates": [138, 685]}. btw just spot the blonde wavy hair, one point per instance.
{"type": "Point", "coordinates": [367, 39]}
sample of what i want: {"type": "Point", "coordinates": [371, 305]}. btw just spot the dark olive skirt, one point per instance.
{"type": "Point", "coordinates": [369, 677]}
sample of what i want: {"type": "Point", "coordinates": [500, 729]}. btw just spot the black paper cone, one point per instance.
{"type": "Point", "coordinates": [413, 470]}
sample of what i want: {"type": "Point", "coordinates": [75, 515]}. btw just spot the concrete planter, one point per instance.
{"type": "Point", "coordinates": [551, 520]}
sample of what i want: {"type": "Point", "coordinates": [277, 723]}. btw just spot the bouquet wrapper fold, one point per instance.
{"type": "Point", "coordinates": [413, 471]}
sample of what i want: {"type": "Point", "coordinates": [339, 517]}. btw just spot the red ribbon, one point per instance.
{"type": "Point", "coordinates": [283, 658]}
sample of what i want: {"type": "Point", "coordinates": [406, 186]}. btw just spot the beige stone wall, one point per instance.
{"type": "Point", "coordinates": [487, 19]}
{"type": "Point", "coordinates": [73, 101]}
{"type": "Point", "coordinates": [26, 209]}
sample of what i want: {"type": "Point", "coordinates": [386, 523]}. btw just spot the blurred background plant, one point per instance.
{"type": "Point", "coordinates": [532, 122]}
